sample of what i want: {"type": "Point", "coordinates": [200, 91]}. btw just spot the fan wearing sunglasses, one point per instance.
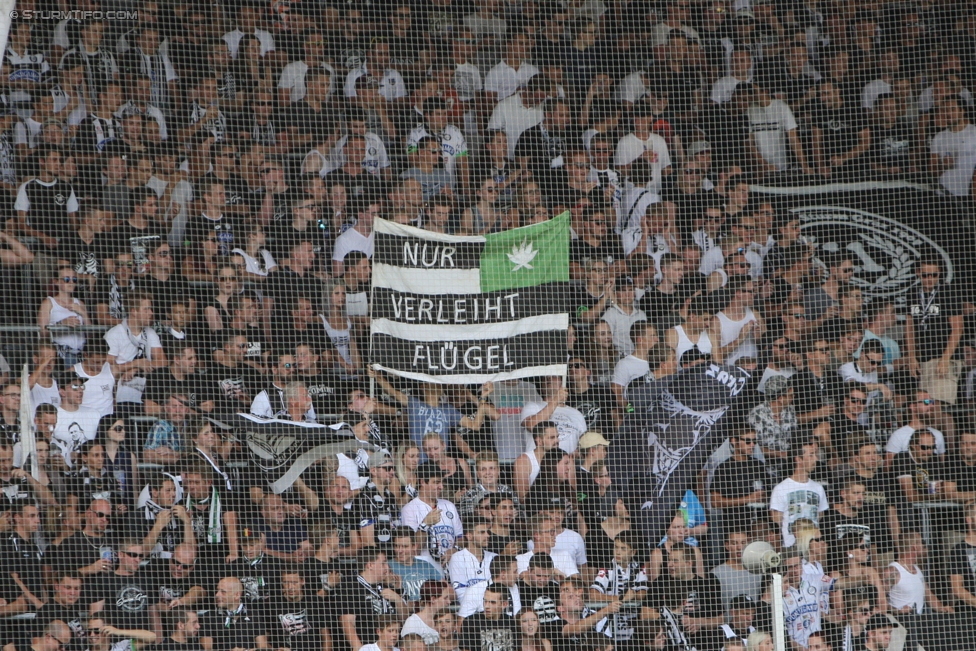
{"type": "Point", "coordinates": [62, 308]}
{"type": "Point", "coordinates": [56, 636]}
{"type": "Point", "coordinates": [921, 410]}
{"type": "Point", "coordinates": [100, 637]}
{"type": "Point", "coordinates": [918, 474]}
{"type": "Point", "coordinates": [125, 595]}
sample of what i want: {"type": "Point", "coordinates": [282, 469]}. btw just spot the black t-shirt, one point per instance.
{"type": "Point", "coordinates": [930, 315]}
{"type": "Point", "coordinates": [25, 558]}
{"type": "Point", "coordinates": [497, 543]}
{"type": "Point", "coordinates": [284, 286]}
{"type": "Point", "coordinates": [125, 238]}
{"type": "Point", "coordinates": [892, 146]}
{"type": "Point", "coordinates": [161, 384]}
{"type": "Point", "coordinates": [735, 479]}
{"type": "Point", "coordinates": [261, 578]}
{"type": "Point", "coordinates": [599, 548]}
{"type": "Point", "coordinates": [699, 597]}
{"type": "Point", "coordinates": [359, 185]}
{"type": "Point", "coordinates": [303, 117]}
{"type": "Point", "coordinates": [837, 526]}
{"type": "Point", "coordinates": [345, 522]}
{"type": "Point", "coordinates": [811, 393]}
{"type": "Point", "coordinates": [48, 210]}
{"type": "Point", "coordinates": [86, 258]}
{"type": "Point", "coordinates": [379, 510]}
{"type": "Point", "coordinates": [171, 645]}
{"type": "Point", "coordinates": [957, 471]}
{"type": "Point", "coordinates": [169, 588]}
{"type": "Point", "coordinates": [610, 250]}
{"type": "Point", "coordinates": [109, 291]}
{"type": "Point", "coordinates": [235, 189]}
{"type": "Point", "coordinates": [662, 309]}
{"type": "Point", "coordinates": [234, 388]}
{"type": "Point", "coordinates": [225, 227]}
{"type": "Point", "coordinates": [230, 631]}
{"type": "Point", "coordinates": [164, 294]}
{"type": "Point", "coordinates": [79, 550]}
{"type": "Point", "coordinates": [880, 492]}
{"type": "Point", "coordinates": [840, 127]}
{"type": "Point", "coordinates": [905, 465]}
{"type": "Point", "coordinates": [365, 601]}
{"type": "Point", "coordinates": [595, 404]}
{"type": "Point", "coordinates": [325, 389]}
{"type": "Point", "coordinates": [76, 617]}
{"type": "Point", "coordinates": [296, 626]}
{"type": "Point", "coordinates": [127, 598]}
{"type": "Point", "coordinates": [482, 634]}
{"type": "Point", "coordinates": [962, 561]}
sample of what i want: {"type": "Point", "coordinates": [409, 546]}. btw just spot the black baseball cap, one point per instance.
{"type": "Point", "coordinates": [742, 602]}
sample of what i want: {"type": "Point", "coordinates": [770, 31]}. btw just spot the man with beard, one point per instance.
{"type": "Point", "coordinates": [65, 606]}
{"type": "Point", "coordinates": [538, 589]}
{"type": "Point", "coordinates": [184, 627]}
{"type": "Point", "coordinates": [232, 625]}
{"type": "Point", "coordinates": [866, 466]}
{"type": "Point", "coordinates": [295, 621]}
{"type": "Point", "coordinates": [162, 518]}
{"type": "Point", "coordinates": [124, 596]}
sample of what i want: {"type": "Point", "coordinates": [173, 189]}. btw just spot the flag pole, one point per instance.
{"type": "Point", "coordinates": [28, 442]}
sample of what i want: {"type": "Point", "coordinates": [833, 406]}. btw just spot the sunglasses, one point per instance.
{"type": "Point", "coordinates": [182, 566]}
{"type": "Point", "coordinates": [99, 514]}
{"type": "Point", "coordinates": [69, 279]}
{"type": "Point", "coordinates": [118, 428]}
{"type": "Point", "coordinates": [927, 448]}
{"type": "Point", "coordinates": [162, 254]}
{"type": "Point", "coordinates": [746, 440]}
{"type": "Point", "coordinates": [926, 402]}
{"type": "Point", "coordinates": [799, 315]}
{"type": "Point", "coordinates": [289, 365]}
{"type": "Point", "coordinates": [132, 555]}
{"type": "Point", "coordinates": [857, 401]}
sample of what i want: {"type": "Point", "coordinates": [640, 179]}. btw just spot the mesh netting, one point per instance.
{"type": "Point", "coordinates": [495, 325]}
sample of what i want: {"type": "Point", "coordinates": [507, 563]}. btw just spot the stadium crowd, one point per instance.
{"type": "Point", "coordinates": [189, 202]}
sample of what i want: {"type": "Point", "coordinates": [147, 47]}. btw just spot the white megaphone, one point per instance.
{"type": "Point", "coordinates": [760, 557]}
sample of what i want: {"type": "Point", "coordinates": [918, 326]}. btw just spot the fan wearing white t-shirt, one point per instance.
{"type": "Point", "coordinates": [635, 365]}
{"type": "Point", "coordinates": [921, 413]}
{"type": "Point", "coordinates": [953, 151]}
{"type": "Point", "coordinates": [357, 238]}
{"type": "Point", "coordinates": [543, 541]}
{"type": "Point", "coordinates": [798, 497]}
{"type": "Point", "coordinates": [569, 422]}
{"type": "Point", "coordinates": [643, 143]}
{"type": "Point", "coordinates": [134, 348]}
{"type": "Point", "coordinates": [773, 134]}
{"type": "Point", "coordinates": [472, 565]}
{"type": "Point", "coordinates": [436, 521]}
{"type": "Point", "coordinates": [76, 424]}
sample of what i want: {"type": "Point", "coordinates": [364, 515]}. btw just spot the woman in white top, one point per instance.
{"type": "Point", "coordinates": [435, 596]}
{"type": "Point", "coordinates": [62, 308]}
{"type": "Point", "coordinates": [258, 261]}
{"type": "Point", "coordinates": [693, 333]}
{"type": "Point", "coordinates": [527, 466]}
{"type": "Point", "coordinates": [339, 328]}
{"type": "Point", "coordinates": [736, 328]}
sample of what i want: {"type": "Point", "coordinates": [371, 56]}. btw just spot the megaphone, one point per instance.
{"type": "Point", "coordinates": [760, 557]}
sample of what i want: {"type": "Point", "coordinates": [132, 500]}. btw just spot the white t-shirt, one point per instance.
{"type": "Point", "coordinates": [561, 560]}
{"type": "Point", "coordinates": [233, 41]}
{"type": "Point", "coordinates": [654, 150]}
{"type": "Point", "coordinates": [465, 570]}
{"type": "Point", "coordinates": [900, 438]}
{"type": "Point", "coordinates": [797, 501]}
{"type": "Point", "coordinates": [416, 625]}
{"type": "Point", "coordinates": [512, 117]}
{"type": "Point", "coordinates": [570, 542]}
{"type": "Point", "coordinates": [631, 88]}
{"type": "Point", "coordinates": [570, 423]}
{"type": "Point", "coordinates": [352, 240]}
{"type": "Point", "coordinates": [961, 145]}
{"type": "Point", "coordinates": [293, 78]}
{"type": "Point", "coordinates": [629, 369]}
{"type": "Point", "coordinates": [391, 84]}
{"type": "Point", "coordinates": [125, 347]}
{"type": "Point", "coordinates": [376, 158]}
{"type": "Point", "coordinates": [445, 531]}
{"type": "Point", "coordinates": [504, 80]}
{"type": "Point", "coordinates": [74, 428]}
{"type": "Point", "coordinates": [723, 88]}
{"type": "Point", "coordinates": [767, 127]}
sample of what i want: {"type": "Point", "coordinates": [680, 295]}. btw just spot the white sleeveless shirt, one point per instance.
{"type": "Point", "coordinates": [910, 589]}
{"type": "Point", "coordinates": [685, 343]}
{"type": "Point", "coordinates": [731, 330]}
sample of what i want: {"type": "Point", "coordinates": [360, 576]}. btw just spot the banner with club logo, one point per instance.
{"type": "Point", "coordinates": [470, 309]}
